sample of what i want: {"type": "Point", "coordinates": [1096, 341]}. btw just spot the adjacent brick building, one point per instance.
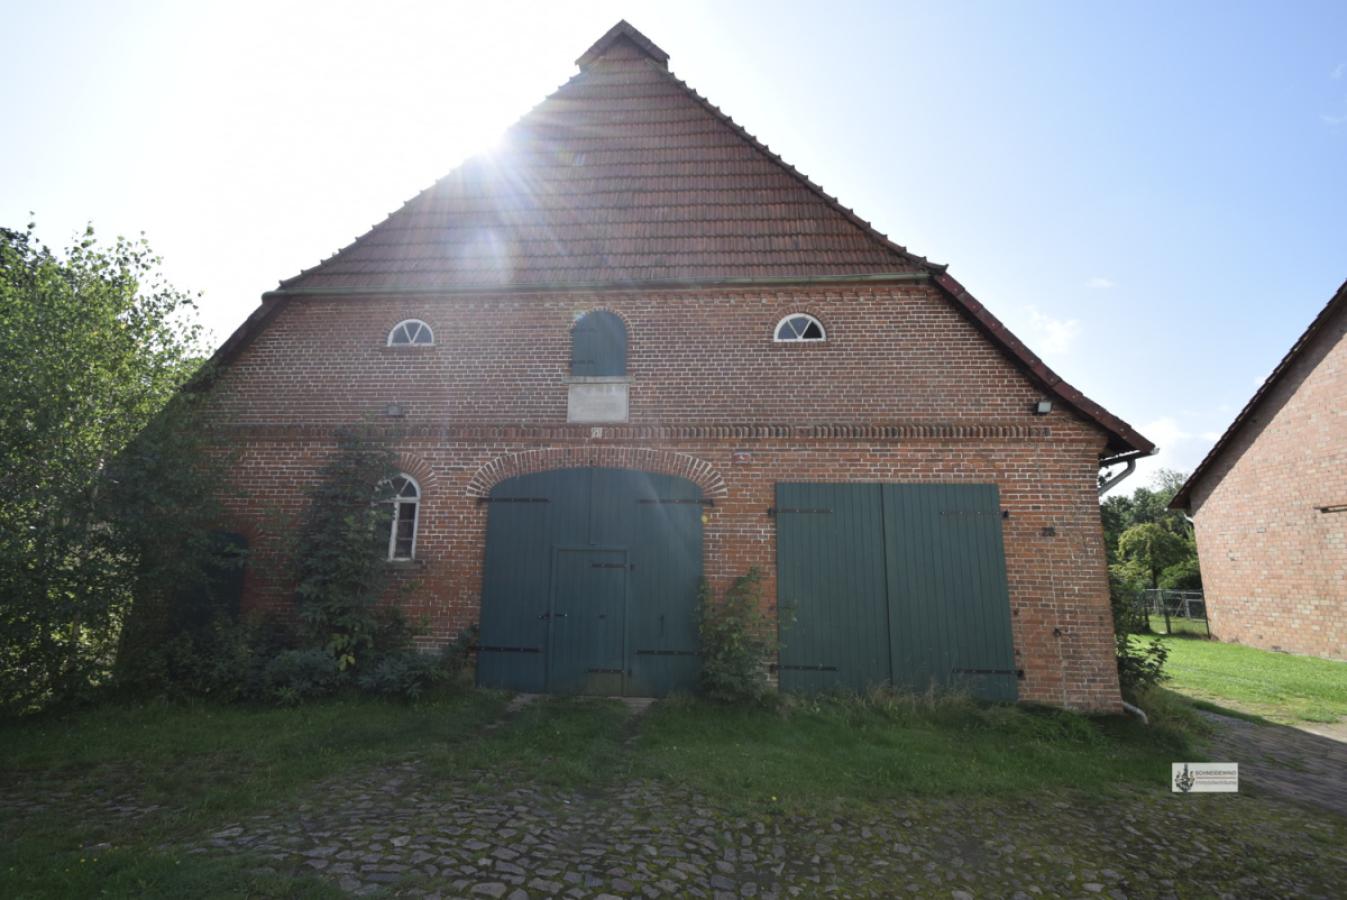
{"type": "Point", "coordinates": [633, 284]}
{"type": "Point", "coordinates": [1270, 503]}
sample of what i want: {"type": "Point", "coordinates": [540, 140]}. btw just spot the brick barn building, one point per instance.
{"type": "Point", "coordinates": [1269, 503]}
{"type": "Point", "coordinates": [634, 348]}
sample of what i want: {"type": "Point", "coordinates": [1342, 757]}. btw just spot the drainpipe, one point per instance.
{"type": "Point", "coordinates": [1138, 712]}
{"type": "Point", "coordinates": [1129, 458]}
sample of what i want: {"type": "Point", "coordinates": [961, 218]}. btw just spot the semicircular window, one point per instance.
{"type": "Point", "coordinates": [799, 327]}
{"type": "Point", "coordinates": [409, 333]}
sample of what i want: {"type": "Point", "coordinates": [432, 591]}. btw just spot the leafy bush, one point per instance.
{"type": "Point", "coordinates": [738, 642]}
{"type": "Point", "coordinates": [107, 488]}
{"type": "Point", "coordinates": [1140, 667]}
{"type": "Point", "coordinates": [294, 676]}
{"type": "Point", "coordinates": [405, 675]}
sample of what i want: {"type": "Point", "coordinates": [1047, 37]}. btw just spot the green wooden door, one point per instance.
{"type": "Point", "coordinates": [587, 622]}
{"type": "Point", "coordinates": [592, 569]}
{"type": "Point", "coordinates": [830, 571]}
{"type": "Point", "coordinates": [893, 583]}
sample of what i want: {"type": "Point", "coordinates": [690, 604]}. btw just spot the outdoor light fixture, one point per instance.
{"type": "Point", "coordinates": [1043, 408]}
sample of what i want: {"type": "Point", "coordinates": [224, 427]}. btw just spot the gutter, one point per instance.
{"type": "Point", "coordinates": [1131, 460]}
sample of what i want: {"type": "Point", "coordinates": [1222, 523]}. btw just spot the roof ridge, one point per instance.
{"type": "Point", "coordinates": [623, 29]}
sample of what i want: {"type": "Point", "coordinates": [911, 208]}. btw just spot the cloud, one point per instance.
{"type": "Point", "coordinates": [1338, 71]}
{"type": "Point", "coordinates": [1100, 283]}
{"type": "Point", "coordinates": [1210, 436]}
{"type": "Point", "coordinates": [1333, 121]}
{"type": "Point", "coordinates": [1051, 334]}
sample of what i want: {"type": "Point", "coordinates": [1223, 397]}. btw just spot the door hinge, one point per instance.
{"type": "Point", "coordinates": [612, 566]}
{"type": "Point", "coordinates": [799, 510]}
{"type": "Point", "coordinates": [481, 500]}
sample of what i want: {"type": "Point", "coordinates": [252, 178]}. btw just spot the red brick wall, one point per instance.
{"type": "Point", "coordinates": [904, 390]}
{"type": "Point", "coordinates": [1274, 567]}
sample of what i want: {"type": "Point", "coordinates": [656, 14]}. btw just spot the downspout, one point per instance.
{"type": "Point", "coordinates": [1138, 712]}
{"type": "Point", "coordinates": [1131, 460]}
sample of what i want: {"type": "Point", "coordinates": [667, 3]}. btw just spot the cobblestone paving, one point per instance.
{"type": "Point", "coordinates": [401, 831]}
{"type": "Point", "coordinates": [1291, 763]}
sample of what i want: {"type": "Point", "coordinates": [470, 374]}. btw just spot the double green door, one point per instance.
{"type": "Point", "coordinates": [591, 583]}
{"type": "Point", "coordinates": [900, 584]}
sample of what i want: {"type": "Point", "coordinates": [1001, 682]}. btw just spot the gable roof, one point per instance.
{"type": "Point", "coordinates": [626, 177]}
{"type": "Point", "coordinates": [624, 174]}
{"type": "Point", "coordinates": [1183, 497]}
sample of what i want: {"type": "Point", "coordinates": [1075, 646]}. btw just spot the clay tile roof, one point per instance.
{"type": "Point", "coordinates": [623, 175]}
{"type": "Point", "coordinates": [1246, 415]}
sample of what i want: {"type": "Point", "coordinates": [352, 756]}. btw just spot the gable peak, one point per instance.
{"type": "Point", "coordinates": [623, 33]}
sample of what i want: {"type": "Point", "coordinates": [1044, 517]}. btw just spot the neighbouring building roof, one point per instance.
{"type": "Point", "coordinates": [1247, 415]}
{"type": "Point", "coordinates": [626, 177]}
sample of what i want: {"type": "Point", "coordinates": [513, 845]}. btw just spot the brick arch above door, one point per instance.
{"type": "Point", "coordinates": [665, 462]}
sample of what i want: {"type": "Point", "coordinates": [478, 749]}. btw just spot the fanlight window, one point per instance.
{"type": "Point", "coordinates": [799, 327]}
{"type": "Point", "coordinates": [412, 332]}
{"type": "Point", "coordinates": [406, 500]}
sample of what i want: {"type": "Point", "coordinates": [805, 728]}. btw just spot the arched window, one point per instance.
{"type": "Point", "coordinates": [799, 327]}
{"type": "Point", "coordinates": [405, 495]}
{"type": "Point", "coordinates": [599, 345]}
{"type": "Point", "coordinates": [411, 332]}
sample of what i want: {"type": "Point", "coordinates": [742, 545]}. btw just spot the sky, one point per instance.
{"type": "Point", "coordinates": [1151, 195]}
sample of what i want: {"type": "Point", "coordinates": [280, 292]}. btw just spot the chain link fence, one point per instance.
{"type": "Point", "coordinates": [1174, 612]}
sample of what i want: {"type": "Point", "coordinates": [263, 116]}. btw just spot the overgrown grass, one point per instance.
{"type": "Point", "coordinates": [816, 754]}
{"type": "Point", "coordinates": [1277, 686]}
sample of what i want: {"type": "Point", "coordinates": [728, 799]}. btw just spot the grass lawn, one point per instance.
{"type": "Point", "coordinates": [1276, 686]}
{"type": "Point", "coordinates": [838, 752]}
{"type": "Point", "coordinates": [1179, 625]}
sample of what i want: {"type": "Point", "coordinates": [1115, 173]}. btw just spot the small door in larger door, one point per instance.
{"type": "Point", "coordinates": [587, 652]}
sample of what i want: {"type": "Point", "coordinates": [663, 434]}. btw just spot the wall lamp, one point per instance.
{"type": "Point", "coordinates": [1043, 407]}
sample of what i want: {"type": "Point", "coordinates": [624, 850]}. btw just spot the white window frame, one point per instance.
{"type": "Point", "coordinates": [394, 330]}
{"type": "Point", "coordinates": [397, 502]}
{"type": "Point", "coordinates": [776, 331]}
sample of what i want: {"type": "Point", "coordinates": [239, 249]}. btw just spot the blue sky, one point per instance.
{"type": "Point", "coordinates": [1152, 196]}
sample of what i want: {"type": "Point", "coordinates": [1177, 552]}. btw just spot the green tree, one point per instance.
{"type": "Point", "coordinates": [101, 476]}
{"type": "Point", "coordinates": [1150, 548]}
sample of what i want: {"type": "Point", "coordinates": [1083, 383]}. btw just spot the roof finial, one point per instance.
{"type": "Point", "coordinates": [623, 33]}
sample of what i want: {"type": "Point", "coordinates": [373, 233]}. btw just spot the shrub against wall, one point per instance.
{"type": "Point", "coordinates": [738, 642]}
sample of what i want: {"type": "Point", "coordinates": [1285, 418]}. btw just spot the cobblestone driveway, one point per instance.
{"type": "Point", "coordinates": [400, 830]}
